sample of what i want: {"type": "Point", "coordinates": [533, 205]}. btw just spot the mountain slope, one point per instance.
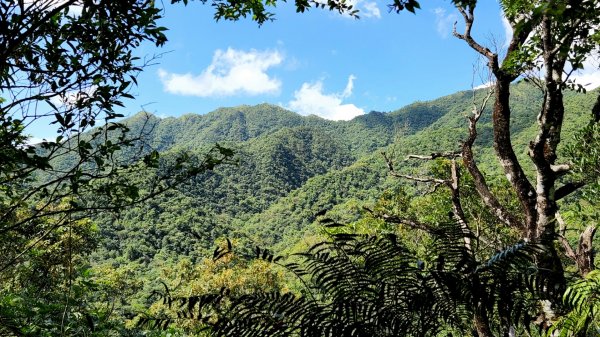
{"type": "Point", "coordinates": [291, 167]}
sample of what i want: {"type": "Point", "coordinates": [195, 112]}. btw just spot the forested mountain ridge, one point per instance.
{"type": "Point", "coordinates": [474, 214]}
{"type": "Point", "coordinates": [291, 167]}
{"type": "Point", "coordinates": [243, 123]}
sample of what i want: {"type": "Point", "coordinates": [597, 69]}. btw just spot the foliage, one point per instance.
{"type": "Point", "coordinates": [256, 204]}
{"type": "Point", "coordinates": [70, 64]}
{"type": "Point", "coordinates": [257, 9]}
{"type": "Point", "coordinates": [364, 285]}
{"type": "Point", "coordinates": [582, 298]}
{"type": "Point", "coordinates": [74, 68]}
{"type": "Point", "coordinates": [583, 152]}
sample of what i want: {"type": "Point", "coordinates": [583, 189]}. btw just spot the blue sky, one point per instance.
{"type": "Point", "coordinates": [318, 62]}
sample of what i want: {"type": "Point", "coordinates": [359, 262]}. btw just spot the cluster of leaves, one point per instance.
{"type": "Point", "coordinates": [584, 152]}
{"type": "Point", "coordinates": [583, 299]}
{"type": "Point", "coordinates": [258, 10]}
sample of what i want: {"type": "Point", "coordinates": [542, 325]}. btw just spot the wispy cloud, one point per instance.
{"type": "Point", "coordinates": [370, 10]}
{"type": "Point", "coordinates": [589, 76]}
{"type": "Point", "coordinates": [231, 72]}
{"type": "Point", "coordinates": [508, 31]}
{"type": "Point", "coordinates": [311, 100]}
{"type": "Point", "coordinates": [483, 85]}
{"type": "Point", "coordinates": [444, 22]}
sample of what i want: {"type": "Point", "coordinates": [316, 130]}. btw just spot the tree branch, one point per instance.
{"type": "Point", "coordinates": [488, 198]}
{"type": "Point", "coordinates": [584, 255]}
{"type": "Point", "coordinates": [466, 36]}
{"type": "Point", "coordinates": [407, 222]}
{"type": "Point", "coordinates": [434, 155]}
{"type": "Point", "coordinates": [390, 165]}
{"type": "Point", "coordinates": [458, 213]}
{"type": "Point", "coordinates": [562, 228]}
{"type": "Point", "coordinates": [567, 189]}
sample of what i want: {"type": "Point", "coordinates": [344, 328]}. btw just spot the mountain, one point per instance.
{"type": "Point", "coordinates": [291, 167]}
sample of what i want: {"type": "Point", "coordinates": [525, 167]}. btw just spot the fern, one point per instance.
{"type": "Point", "coordinates": [584, 299]}
{"type": "Point", "coordinates": [364, 285]}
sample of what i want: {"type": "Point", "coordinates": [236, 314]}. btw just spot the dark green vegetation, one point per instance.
{"type": "Point", "coordinates": [287, 170]}
{"type": "Point", "coordinates": [291, 168]}
{"type": "Point", "coordinates": [108, 231]}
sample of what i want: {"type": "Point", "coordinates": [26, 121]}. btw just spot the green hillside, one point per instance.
{"type": "Point", "coordinates": [291, 167]}
{"type": "Point", "coordinates": [287, 171]}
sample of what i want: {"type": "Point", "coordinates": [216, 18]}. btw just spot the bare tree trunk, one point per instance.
{"type": "Point", "coordinates": [506, 154]}
{"type": "Point", "coordinates": [482, 324]}
{"type": "Point", "coordinates": [584, 254]}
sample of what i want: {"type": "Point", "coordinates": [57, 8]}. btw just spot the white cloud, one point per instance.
{"type": "Point", "coordinates": [588, 80]}
{"type": "Point", "coordinates": [483, 85]}
{"type": "Point", "coordinates": [444, 22]}
{"type": "Point", "coordinates": [370, 10]}
{"type": "Point", "coordinates": [367, 9]}
{"type": "Point", "coordinates": [589, 76]}
{"type": "Point", "coordinates": [349, 87]}
{"type": "Point", "coordinates": [71, 98]}
{"type": "Point", "coordinates": [310, 100]}
{"type": "Point", "coordinates": [34, 140]}
{"type": "Point", "coordinates": [231, 72]}
{"type": "Point", "coordinates": [508, 31]}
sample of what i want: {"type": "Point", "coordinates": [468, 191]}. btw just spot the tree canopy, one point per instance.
{"type": "Point", "coordinates": [550, 41]}
{"type": "Point", "coordinates": [71, 63]}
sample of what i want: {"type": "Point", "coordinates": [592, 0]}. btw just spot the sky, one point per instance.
{"type": "Point", "coordinates": [318, 62]}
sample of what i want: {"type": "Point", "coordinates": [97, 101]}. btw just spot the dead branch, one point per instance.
{"type": "Point", "coordinates": [488, 198]}
{"type": "Point", "coordinates": [468, 17]}
{"type": "Point", "coordinates": [459, 214]}
{"type": "Point", "coordinates": [434, 155]}
{"type": "Point", "coordinates": [562, 228]}
{"type": "Point", "coordinates": [584, 255]}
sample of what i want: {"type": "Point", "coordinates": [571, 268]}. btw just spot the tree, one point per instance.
{"type": "Point", "coordinates": [70, 63]}
{"type": "Point", "coordinates": [553, 37]}
{"type": "Point", "coordinates": [550, 40]}
{"type": "Point", "coordinates": [369, 285]}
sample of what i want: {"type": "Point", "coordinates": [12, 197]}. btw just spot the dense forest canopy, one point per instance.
{"type": "Point", "coordinates": [256, 221]}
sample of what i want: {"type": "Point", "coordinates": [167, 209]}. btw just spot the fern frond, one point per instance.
{"type": "Point", "coordinates": [517, 257]}
{"type": "Point", "coordinates": [584, 299]}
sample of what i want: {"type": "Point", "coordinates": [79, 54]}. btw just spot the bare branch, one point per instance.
{"type": "Point", "coordinates": [407, 222]}
{"type": "Point", "coordinates": [390, 165]}
{"type": "Point", "coordinates": [562, 228]}
{"type": "Point", "coordinates": [449, 155]}
{"type": "Point", "coordinates": [458, 213]}
{"type": "Point", "coordinates": [466, 36]}
{"type": "Point", "coordinates": [489, 199]}
{"type": "Point", "coordinates": [585, 250]}
{"type": "Point", "coordinates": [560, 169]}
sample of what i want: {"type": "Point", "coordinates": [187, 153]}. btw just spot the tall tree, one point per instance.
{"type": "Point", "coordinates": [551, 39]}
{"type": "Point", "coordinates": [69, 64]}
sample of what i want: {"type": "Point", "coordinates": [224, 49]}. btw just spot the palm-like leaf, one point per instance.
{"type": "Point", "coordinates": [584, 299]}
{"type": "Point", "coordinates": [360, 285]}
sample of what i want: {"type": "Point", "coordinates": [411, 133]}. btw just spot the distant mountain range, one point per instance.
{"type": "Point", "coordinates": [291, 167]}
